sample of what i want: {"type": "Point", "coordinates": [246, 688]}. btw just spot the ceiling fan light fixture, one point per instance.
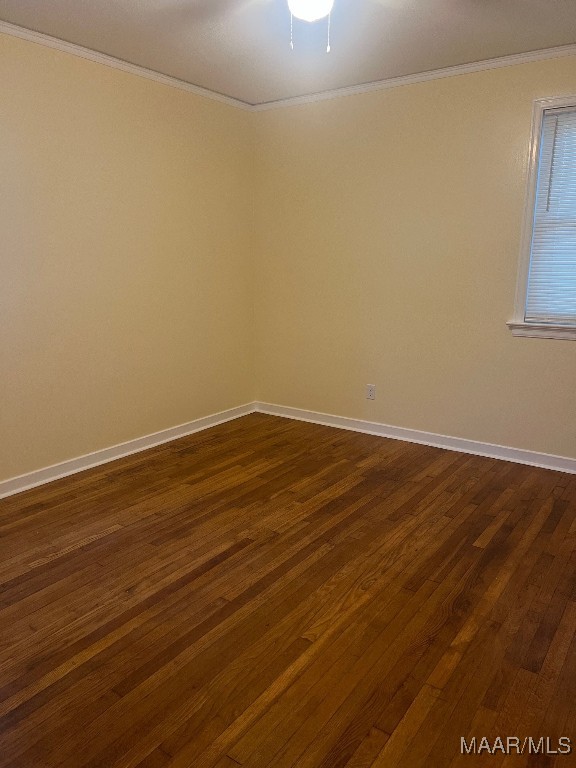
{"type": "Point", "coordinates": [310, 10]}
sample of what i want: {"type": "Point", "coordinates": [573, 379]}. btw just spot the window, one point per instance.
{"type": "Point", "coordinates": [546, 292]}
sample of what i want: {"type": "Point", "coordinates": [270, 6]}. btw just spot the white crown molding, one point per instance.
{"type": "Point", "coordinates": [72, 466]}
{"type": "Point", "coordinates": [112, 61]}
{"type": "Point", "coordinates": [421, 77]}
{"type": "Point", "coordinates": [517, 455]}
{"type": "Point", "coordinates": [378, 85]}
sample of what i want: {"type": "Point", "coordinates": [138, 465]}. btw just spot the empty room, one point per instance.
{"type": "Point", "coordinates": [288, 384]}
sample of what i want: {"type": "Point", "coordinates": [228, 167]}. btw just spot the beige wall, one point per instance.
{"type": "Point", "coordinates": [126, 225]}
{"type": "Point", "coordinates": [380, 247]}
{"type": "Point", "coordinates": [389, 231]}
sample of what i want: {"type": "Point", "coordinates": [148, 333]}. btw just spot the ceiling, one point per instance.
{"type": "Point", "coordinates": [241, 48]}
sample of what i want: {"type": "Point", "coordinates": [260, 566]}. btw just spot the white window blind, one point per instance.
{"type": "Point", "coordinates": [551, 290]}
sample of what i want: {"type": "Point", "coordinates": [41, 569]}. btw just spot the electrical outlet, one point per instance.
{"type": "Point", "coordinates": [370, 391]}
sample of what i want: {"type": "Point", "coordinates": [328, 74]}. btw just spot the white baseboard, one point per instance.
{"type": "Point", "coordinates": [48, 474]}
{"type": "Point", "coordinates": [518, 455]}
{"type": "Point", "coordinates": [72, 466]}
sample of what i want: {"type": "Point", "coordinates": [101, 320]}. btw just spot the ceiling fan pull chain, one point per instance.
{"type": "Point", "coordinates": [328, 44]}
{"type": "Point", "coordinates": [291, 31]}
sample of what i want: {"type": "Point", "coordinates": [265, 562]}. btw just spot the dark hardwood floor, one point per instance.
{"type": "Point", "coordinates": [274, 593]}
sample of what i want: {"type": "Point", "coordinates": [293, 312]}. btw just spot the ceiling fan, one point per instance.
{"type": "Point", "coordinates": [210, 11]}
{"type": "Point", "coordinates": [218, 11]}
{"type": "Point", "coordinates": [305, 10]}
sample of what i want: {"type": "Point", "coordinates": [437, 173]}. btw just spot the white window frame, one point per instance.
{"type": "Point", "coordinates": [518, 324]}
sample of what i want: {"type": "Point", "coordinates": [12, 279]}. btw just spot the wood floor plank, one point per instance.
{"type": "Point", "coordinates": [274, 594]}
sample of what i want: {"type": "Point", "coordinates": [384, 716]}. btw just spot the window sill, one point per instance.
{"type": "Point", "coordinates": [542, 331]}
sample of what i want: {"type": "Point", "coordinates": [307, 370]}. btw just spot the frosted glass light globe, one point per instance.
{"type": "Point", "coordinates": [310, 10]}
